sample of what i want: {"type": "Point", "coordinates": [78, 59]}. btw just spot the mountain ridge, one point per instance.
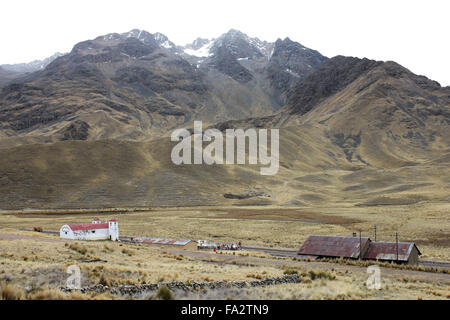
{"type": "Point", "coordinates": [145, 85]}
{"type": "Point", "coordinates": [91, 129]}
{"type": "Point", "coordinates": [31, 66]}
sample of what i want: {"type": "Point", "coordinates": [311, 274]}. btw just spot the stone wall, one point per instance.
{"type": "Point", "coordinates": [132, 290]}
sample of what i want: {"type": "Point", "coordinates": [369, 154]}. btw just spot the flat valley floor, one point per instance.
{"type": "Point", "coordinates": [35, 263]}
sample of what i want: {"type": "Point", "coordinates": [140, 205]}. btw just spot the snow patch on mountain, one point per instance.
{"type": "Point", "coordinates": [293, 73]}
{"type": "Point", "coordinates": [31, 66]}
{"type": "Point", "coordinates": [203, 51]}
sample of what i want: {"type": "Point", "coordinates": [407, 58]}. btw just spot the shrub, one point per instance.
{"type": "Point", "coordinates": [290, 271]}
{"type": "Point", "coordinates": [127, 251]}
{"type": "Point", "coordinates": [76, 295]}
{"type": "Point", "coordinates": [10, 292]}
{"type": "Point", "coordinates": [305, 280]}
{"type": "Point", "coordinates": [48, 293]}
{"type": "Point", "coordinates": [108, 248]}
{"type": "Point", "coordinates": [164, 293]}
{"type": "Point", "coordinates": [320, 275]}
{"type": "Point", "coordinates": [256, 276]}
{"type": "Point", "coordinates": [104, 281]}
{"type": "Point", "coordinates": [78, 248]}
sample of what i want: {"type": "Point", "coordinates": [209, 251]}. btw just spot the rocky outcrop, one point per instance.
{"type": "Point", "coordinates": [77, 130]}
{"type": "Point", "coordinates": [246, 195]}
{"type": "Point", "coordinates": [226, 62]}
{"type": "Point", "coordinates": [290, 63]}
{"type": "Point", "coordinates": [332, 76]}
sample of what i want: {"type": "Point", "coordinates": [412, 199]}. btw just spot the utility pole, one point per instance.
{"type": "Point", "coordinates": [396, 241]}
{"type": "Point", "coordinates": [375, 233]}
{"type": "Point", "coordinates": [360, 249]}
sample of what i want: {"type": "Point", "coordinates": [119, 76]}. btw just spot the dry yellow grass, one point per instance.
{"type": "Point", "coordinates": [39, 261]}
{"type": "Point", "coordinates": [426, 224]}
{"type": "Point", "coordinates": [11, 292]}
{"type": "Point", "coordinates": [39, 276]}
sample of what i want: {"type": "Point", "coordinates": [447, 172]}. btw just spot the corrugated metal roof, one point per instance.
{"type": "Point", "coordinates": [332, 246]}
{"type": "Point", "coordinates": [388, 251]}
{"type": "Point", "coordinates": [176, 242]}
{"type": "Point", "coordinates": [88, 226]}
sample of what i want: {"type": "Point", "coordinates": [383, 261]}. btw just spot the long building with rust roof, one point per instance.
{"type": "Point", "coordinates": [317, 246]}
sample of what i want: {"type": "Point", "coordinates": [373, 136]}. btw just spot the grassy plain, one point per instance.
{"type": "Point", "coordinates": [426, 224]}
{"type": "Point", "coordinates": [37, 262]}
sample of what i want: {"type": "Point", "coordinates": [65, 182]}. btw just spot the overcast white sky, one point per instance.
{"type": "Point", "coordinates": [412, 33]}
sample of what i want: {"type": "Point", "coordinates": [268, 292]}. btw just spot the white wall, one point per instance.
{"type": "Point", "coordinates": [114, 230]}
{"type": "Point", "coordinates": [95, 234]}
{"type": "Point", "coordinates": [112, 233]}
{"type": "Point", "coordinates": [66, 233]}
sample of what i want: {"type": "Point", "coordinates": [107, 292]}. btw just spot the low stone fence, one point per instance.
{"type": "Point", "coordinates": [187, 286]}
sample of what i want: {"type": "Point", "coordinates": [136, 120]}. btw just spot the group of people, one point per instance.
{"type": "Point", "coordinates": [229, 246]}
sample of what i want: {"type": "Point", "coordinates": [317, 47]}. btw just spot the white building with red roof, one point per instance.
{"type": "Point", "coordinates": [96, 230]}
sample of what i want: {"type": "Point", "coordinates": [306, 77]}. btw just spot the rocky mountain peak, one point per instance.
{"type": "Point", "coordinates": [31, 66]}
{"type": "Point", "coordinates": [163, 41]}
{"type": "Point", "coordinates": [140, 75]}
{"type": "Point", "coordinates": [240, 45]}
{"type": "Point", "coordinates": [290, 62]}
{"type": "Point", "coordinates": [290, 50]}
{"type": "Point", "coordinates": [235, 33]}
{"type": "Point", "coordinates": [198, 43]}
{"type": "Point", "coordinates": [330, 77]}
{"type": "Point", "coordinates": [145, 37]}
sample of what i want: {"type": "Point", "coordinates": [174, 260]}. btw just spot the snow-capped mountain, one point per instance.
{"type": "Point", "coordinates": [147, 85]}
{"type": "Point", "coordinates": [31, 66]}
{"type": "Point", "coordinates": [242, 46]}
{"type": "Point", "coordinates": [238, 43]}
{"type": "Point", "coordinates": [199, 48]}
{"type": "Point", "coordinates": [343, 119]}
{"type": "Point", "coordinates": [243, 58]}
{"type": "Point", "coordinates": [142, 35]}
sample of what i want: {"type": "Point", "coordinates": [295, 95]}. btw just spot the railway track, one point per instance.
{"type": "Point", "coordinates": [274, 252]}
{"type": "Point", "coordinates": [435, 264]}
{"type": "Point", "coordinates": [293, 253]}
